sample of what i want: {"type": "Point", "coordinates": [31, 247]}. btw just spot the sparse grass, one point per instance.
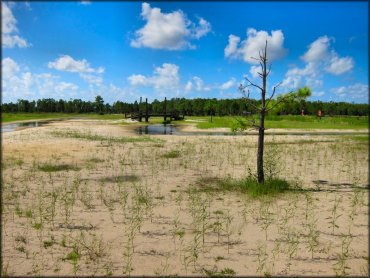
{"type": "Point", "coordinates": [171, 154]}
{"type": "Point", "coordinates": [306, 122]}
{"type": "Point", "coordinates": [48, 167]}
{"type": "Point", "coordinates": [12, 117]}
{"type": "Point", "coordinates": [249, 185]}
{"type": "Point", "coordinates": [95, 137]}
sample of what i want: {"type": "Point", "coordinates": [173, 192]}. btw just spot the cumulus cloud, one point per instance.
{"type": "Point", "coordinates": [338, 65]}
{"type": "Point", "coordinates": [321, 52]}
{"type": "Point", "coordinates": [9, 68]}
{"type": "Point", "coordinates": [318, 94]}
{"type": "Point", "coordinates": [249, 48]}
{"type": "Point", "coordinates": [67, 63]}
{"type": "Point", "coordinates": [165, 77]}
{"type": "Point", "coordinates": [189, 86]}
{"type": "Point", "coordinates": [229, 84]}
{"type": "Point", "coordinates": [171, 31]}
{"type": "Point", "coordinates": [9, 36]}
{"type": "Point", "coordinates": [317, 50]}
{"type": "Point", "coordinates": [202, 29]}
{"type": "Point", "coordinates": [254, 70]}
{"type": "Point", "coordinates": [64, 86]}
{"type": "Point", "coordinates": [18, 82]}
{"type": "Point", "coordinates": [197, 84]}
{"type": "Point", "coordinates": [319, 58]}
{"type": "Point", "coordinates": [92, 79]}
{"type": "Point", "coordinates": [356, 91]}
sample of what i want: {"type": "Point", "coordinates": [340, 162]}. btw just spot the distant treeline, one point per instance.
{"type": "Point", "coordinates": [187, 107]}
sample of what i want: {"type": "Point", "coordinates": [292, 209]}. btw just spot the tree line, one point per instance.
{"type": "Point", "coordinates": [187, 107]}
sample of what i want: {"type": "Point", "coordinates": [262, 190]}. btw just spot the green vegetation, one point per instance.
{"type": "Point", "coordinates": [249, 185]}
{"type": "Point", "coordinates": [48, 167]}
{"type": "Point", "coordinates": [13, 117]}
{"type": "Point", "coordinates": [96, 137]}
{"type": "Point", "coordinates": [187, 107]}
{"type": "Point", "coordinates": [297, 122]}
{"type": "Point", "coordinates": [171, 154]}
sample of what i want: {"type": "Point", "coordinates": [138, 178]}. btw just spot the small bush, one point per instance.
{"type": "Point", "coordinates": [54, 168]}
{"type": "Point", "coordinates": [251, 186]}
{"type": "Point", "coordinates": [172, 154]}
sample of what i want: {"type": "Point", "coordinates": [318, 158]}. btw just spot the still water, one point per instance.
{"type": "Point", "coordinates": [16, 126]}
{"type": "Point", "coordinates": [169, 129]}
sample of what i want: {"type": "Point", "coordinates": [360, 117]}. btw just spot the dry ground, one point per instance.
{"type": "Point", "coordinates": [117, 206]}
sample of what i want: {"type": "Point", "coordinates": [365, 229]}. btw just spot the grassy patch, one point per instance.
{"type": "Point", "coordinates": [124, 178]}
{"type": "Point", "coordinates": [290, 122]}
{"type": "Point", "coordinates": [361, 138]}
{"type": "Point", "coordinates": [48, 167]}
{"type": "Point", "coordinates": [12, 117]}
{"type": "Point", "coordinates": [95, 160]}
{"type": "Point", "coordinates": [96, 137]}
{"type": "Point", "coordinates": [249, 185]}
{"type": "Point", "coordinates": [171, 154]}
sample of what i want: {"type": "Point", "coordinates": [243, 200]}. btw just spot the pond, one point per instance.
{"type": "Point", "coordinates": [157, 129]}
{"type": "Point", "coordinates": [17, 126]}
{"type": "Point", "coordinates": [170, 129]}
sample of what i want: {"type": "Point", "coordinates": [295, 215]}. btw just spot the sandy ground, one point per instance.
{"type": "Point", "coordinates": [122, 207]}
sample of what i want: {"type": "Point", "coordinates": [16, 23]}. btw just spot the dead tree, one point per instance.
{"type": "Point", "coordinates": [263, 109]}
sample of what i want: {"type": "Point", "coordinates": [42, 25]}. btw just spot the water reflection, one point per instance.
{"type": "Point", "coordinates": [16, 126]}
{"type": "Point", "coordinates": [157, 129]}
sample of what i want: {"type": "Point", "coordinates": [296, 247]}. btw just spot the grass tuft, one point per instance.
{"type": "Point", "coordinates": [47, 167]}
{"type": "Point", "coordinates": [95, 137]}
{"type": "Point", "coordinates": [171, 154]}
{"type": "Point", "coordinates": [249, 185]}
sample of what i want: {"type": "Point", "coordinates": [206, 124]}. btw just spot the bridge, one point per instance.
{"type": "Point", "coordinates": [146, 115]}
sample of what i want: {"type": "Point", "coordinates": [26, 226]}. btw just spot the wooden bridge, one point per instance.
{"type": "Point", "coordinates": [139, 116]}
{"type": "Point", "coordinates": [146, 115]}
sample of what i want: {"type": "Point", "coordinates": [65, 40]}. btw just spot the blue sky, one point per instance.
{"type": "Point", "coordinates": [124, 50]}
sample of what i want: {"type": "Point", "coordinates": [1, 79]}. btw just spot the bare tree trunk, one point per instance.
{"type": "Point", "coordinates": [261, 129]}
{"type": "Point", "coordinates": [262, 110]}
{"type": "Point", "coordinates": [261, 136]}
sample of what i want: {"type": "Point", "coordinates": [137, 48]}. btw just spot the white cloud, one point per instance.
{"type": "Point", "coordinates": [65, 86]}
{"type": "Point", "coordinates": [92, 79]}
{"type": "Point", "coordinates": [317, 50]}
{"type": "Point", "coordinates": [19, 83]}
{"type": "Point", "coordinates": [254, 70]}
{"type": "Point", "coordinates": [319, 58]}
{"type": "Point", "coordinates": [356, 91]}
{"type": "Point", "coordinates": [229, 84]}
{"type": "Point", "coordinates": [9, 67]}
{"type": "Point", "coordinates": [171, 31]}
{"type": "Point", "coordinates": [85, 3]}
{"type": "Point", "coordinates": [67, 63]}
{"type": "Point", "coordinates": [137, 80]}
{"type": "Point", "coordinates": [320, 53]}
{"type": "Point", "coordinates": [254, 43]}
{"type": "Point", "coordinates": [318, 94]}
{"type": "Point", "coordinates": [338, 65]}
{"type": "Point", "coordinates": [188, 86]}
{"type": "Point", "coordinates": [197, 84]}
{"type": "Point", "coordinates": [9, 35]}
{"type": "Point", "coordinates": [231, 50]}
{"type": "Point", "coordinates": [203, 29]}
{"type": "Point", "coordinates": [165, 77]}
